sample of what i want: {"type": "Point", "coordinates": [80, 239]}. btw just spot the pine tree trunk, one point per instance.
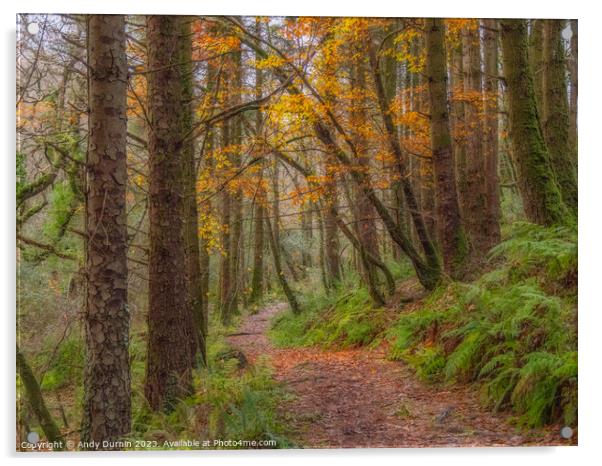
{"type": "Point", "coordinates": [556, 112]}
{"type": "Point", "coordinates": [191, 223]}
{"type": "Point", "coordinates": [107, 392]}
{"type": "Point", "coordinates": [452, 239]}
{"type": "Point", "coordinates": [474, 197]}
{"type": "Point", "coordinates": [170, 319]}
{"type": "Point", "coordinates": [491, 140]}
{"type": "Point", "coordinates": [225, 274]}
{"type": "Point", "coordinates": [541, 197]}
{"type": "Point", "coordinates": [260, 198]}
{"type": "Point", "coordinates": [236, 236]}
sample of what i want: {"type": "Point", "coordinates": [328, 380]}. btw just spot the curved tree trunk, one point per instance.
{"type": "Point", "coordinates": [36, 401]}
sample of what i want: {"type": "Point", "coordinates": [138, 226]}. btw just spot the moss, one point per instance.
{"type": "Point", "coordinates": [541, 195]}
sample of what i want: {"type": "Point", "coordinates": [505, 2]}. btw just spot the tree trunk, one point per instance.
{"type": "Point", "coordinates": [536, 60]}
{"type": "Point", "coordinates": [226, 273]}
{"type": "Point", "coordinates": [364, 211]}
{"type": "Point", "coordinates": [491, 141]}
{"type": "Point", "coordinates": [260, 197]}
{"type": "Point", "coordinates": [541, 198]}
{"type": "Point", "coordinates": [36, 401]}
{"type": "Point", "coordinates": [452, 239]}
{"type": "Point", "coordinates": [331, 238]}
{"type": "Point", "coordinates": [170, 319]}
{"type": "Point", "coordinates": [107, 392]}
{"type": "Point", "coordinates": [474, 198]}
{"type": "Point", "coordinates": [236, 236]}
{"type": "Point", "coordinates": [428, 270]}
{"type": "Point", "coordinates": [288, 292]}
{"type": "Point", "coordinates": [556, 113]}
{"type": "Point", "coordinates": [573, 88]}
{"type": "Point", "coordinates": [191, 223]}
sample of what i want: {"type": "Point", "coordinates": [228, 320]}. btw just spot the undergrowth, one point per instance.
{"type": "Point", "coordinates": [231, 401]}
{"type": "Point", "coordinates": [514, 329]}
{"type": "Point", "coordinates": [338, 317]}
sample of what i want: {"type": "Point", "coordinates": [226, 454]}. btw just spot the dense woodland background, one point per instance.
{"type": "Point", "coordinates": [405, 183]}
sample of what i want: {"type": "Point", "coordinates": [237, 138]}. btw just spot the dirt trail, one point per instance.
{"type": "Point", "coordinates": [357, 398]}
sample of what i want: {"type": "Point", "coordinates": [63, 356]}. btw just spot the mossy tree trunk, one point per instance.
{"type": "Point", "coordinates": [189, 171]}
{"type": "Point", "coordinates": [107, 392]}
{"type": "Point", "coordinates": [225, 269]}
{"type": "Point", "coordinates": [286, 288]}
{"type": "Point", "coordinates": [452, 239]}
{"type": "Point", "coordinates": [36, 400]}
{"type": "Point", "coordinates": [573, 87]}
{"type": "Point", "coordinates": [541, 197]}
{"type": "Point", "coordinates": [556, 112]}
{"type": "Point", "coordinates": [536, 60]}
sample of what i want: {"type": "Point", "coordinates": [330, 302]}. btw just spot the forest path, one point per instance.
{"type": "Point", "coordinates": [358, 398]}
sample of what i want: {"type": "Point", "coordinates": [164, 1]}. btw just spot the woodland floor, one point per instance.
{"type": "Point", "coordinates": [358, 398]}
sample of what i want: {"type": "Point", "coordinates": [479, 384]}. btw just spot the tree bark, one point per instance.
{"type": "Point", "coordinates": [556, 112]}
{"type": "Point", "coordinates": [288, 292]}
{"type": "Point", "coordinates": [452, 239]}
{"type": "Point", "coordinates": [536, 60]}
{"type": "Point", "coordinates": [170, 319]}
{"type": "Point", "coordinates": [107, 392]}
{"type": "Point", "coordinates": [573, 87]}
{"type": "Point", "coordinates": [474, 197]}
{"type": "Point", "coordinates": [491, 138]}
{"type": "Point", "coordinates": [260, 197]}
{"type": "Point", "coordinates": [541, 197]}
{"type": "Point", "coordinates": [36, 401]}
{"type": "Point", "coordinates": [191, 222]}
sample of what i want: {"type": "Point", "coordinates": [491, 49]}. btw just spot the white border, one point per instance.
{"type": "Point", "coordinates": [590, 260]}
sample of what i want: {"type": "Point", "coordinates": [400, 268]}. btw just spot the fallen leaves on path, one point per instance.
{"type": "Point", "coordinates": [358, 398]}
